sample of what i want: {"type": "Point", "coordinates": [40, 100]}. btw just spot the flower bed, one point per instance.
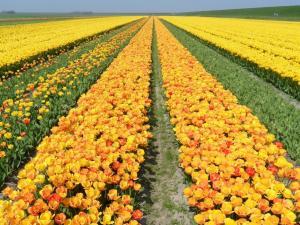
{"type": "Point", "coordinates": [27, 114]}
{"type": "Point", "coordinates": [86, 171]}
{"type": "Point", "coordinates": [238, 170]}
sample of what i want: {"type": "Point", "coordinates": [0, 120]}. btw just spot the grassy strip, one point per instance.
{"type": "Point", "coordinates": [9, 87]}
{"type": "Point", "coordinates": [11, 22]}
{"type": "Point", "coordinates": [26, 63]}
{"type": "Point", "coordinates": [276, 112]}
{"type": "Point", "coordinates": [285, 84]}
{"type": "Point", "coordinates": [273, 13]}
{"type": "Point", "coordinates": [162, 200]}
{"type": "Point", "coordinates": [59, 106]}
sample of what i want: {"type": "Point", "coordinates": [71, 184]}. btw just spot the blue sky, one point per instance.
{"type": "Point", "coordinates": [134, 5]}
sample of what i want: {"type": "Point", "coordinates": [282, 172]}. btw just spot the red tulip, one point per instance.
{"type": "Point", "coordinates": [229, 143]}
{"type": "Point", "coordinates": [237, 172]}
{"type": "Point", "coordinates": [226, 151]}
{"type": "Point", "coordinates": [55, 197]}
{"type": "Point", "coordinates": [214, 176]}
{"type": "Point", "coordinates": [279, 144]}
{"type": "Point", "coordinates": [116, 165]}
{"type": "Point", "coordinates": [273, 169]}
{"type": "Point", "coordinates": [26, 121]}
{"type": "Point", "coordinates": [137, 214]}
{"type": "Point", "coordinates": [250, 171]}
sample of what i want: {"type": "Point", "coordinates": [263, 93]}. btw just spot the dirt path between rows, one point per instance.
{"type": "Point", "coordinates": [162, 200]}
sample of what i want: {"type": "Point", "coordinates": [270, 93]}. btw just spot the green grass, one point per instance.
{"type": "Point", "coordinates": [7, 19]}
{"type": "Point", "coordinates": [283, 13]}
{"type": "Point", "coordinates": [279, 113]}
{"type": "Point", "coordinates": [20, 15]}
{"type": "Point", "coordinates": [31, 21]}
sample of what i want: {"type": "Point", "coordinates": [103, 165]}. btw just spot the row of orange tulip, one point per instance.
{"type": "Point", "coordinates": [28, 110]}
{"type": "Point", "coordinates": [236, 167]}
{"type": "Point", "coordinates": [87, 169]}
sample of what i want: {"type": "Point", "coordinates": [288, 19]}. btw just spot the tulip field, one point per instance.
{"type": "Point", "coordinates": [23, 43]}
{"type": "Point", "coordinates": [170, 120]}
{"type": "Point", "coordinates": [277, 53]}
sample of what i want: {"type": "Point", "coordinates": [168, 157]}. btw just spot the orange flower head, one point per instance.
{"type": "Point", "coordinates": [137, 214]}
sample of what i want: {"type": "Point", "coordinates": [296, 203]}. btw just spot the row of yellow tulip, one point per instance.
{"type": "Point", "coordinates": [91, 160]}
{"type": "Point", "coordinates": [231, 158]}
{"type": "Point", "coordinates": [271, 45]}
{"type": "Point", "coordinates": [19, 42]}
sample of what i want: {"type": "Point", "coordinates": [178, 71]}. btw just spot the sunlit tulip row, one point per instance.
{"type": "Point", "coordinates": [47, 59]}
{"type": "Point", "coordinates": [238, 170]}
{"type": "Point", "coordinates": [273, 45]}
{"type": "Point", "coordinates": [86, 171]}
{"type": "Point", "coordinates": [27, 112]}
{"type": "Point", "coordinates": [18, 42]}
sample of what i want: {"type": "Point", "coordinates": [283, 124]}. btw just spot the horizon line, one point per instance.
{"type": "Point", "coordinates": [135, 12]}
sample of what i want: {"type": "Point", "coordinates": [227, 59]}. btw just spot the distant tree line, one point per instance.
{"type": "Point", "coordinates": [8, 11]}
{"type": "Point", "coordinates": [82, 12]}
